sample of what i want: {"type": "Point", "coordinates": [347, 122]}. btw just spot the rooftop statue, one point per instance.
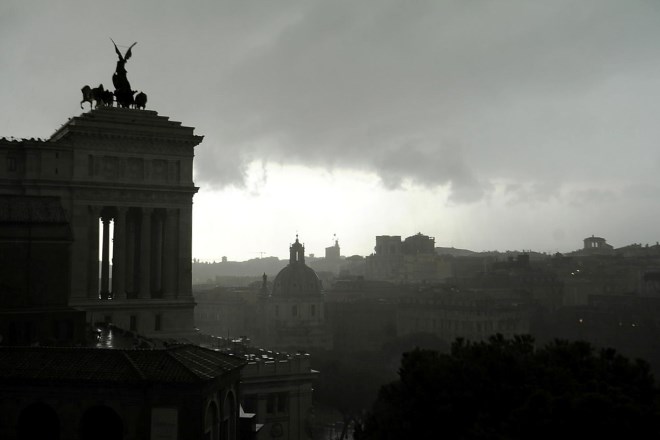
{"type": "Point", "coordinates": [123, 91]}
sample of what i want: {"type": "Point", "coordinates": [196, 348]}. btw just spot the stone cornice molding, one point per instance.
{"type": "Point", "coordinates": [147, 304]}
{"type": "Point", "coordinates": [110, 186]}
{"type": "Point", "coordinates": [118, 123]}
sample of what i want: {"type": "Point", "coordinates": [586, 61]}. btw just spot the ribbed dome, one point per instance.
{"type": "Point", "coordinates": [297, 279]}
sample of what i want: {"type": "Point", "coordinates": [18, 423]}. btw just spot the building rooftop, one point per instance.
{"type": "Point", "coordinates": [175, 364]}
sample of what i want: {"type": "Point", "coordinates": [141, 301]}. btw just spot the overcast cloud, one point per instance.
{"type": "Point", "coordinates": [536, 101]}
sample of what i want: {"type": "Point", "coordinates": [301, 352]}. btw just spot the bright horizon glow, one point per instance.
{"type": "Point", "coordinates": [280, 201]}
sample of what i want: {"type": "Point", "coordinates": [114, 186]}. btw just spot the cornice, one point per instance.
{"type": "Point", "coordinates": [118, 123]}
{"type": "Point", "coordinates": [108, 186]}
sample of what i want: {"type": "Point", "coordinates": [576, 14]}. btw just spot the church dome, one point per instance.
{"type": "Point", "coordinates": [296, 279]}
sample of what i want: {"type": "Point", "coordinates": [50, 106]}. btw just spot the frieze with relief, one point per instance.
{"type": "Point", "coordinates": [130, 145]}
{"type": "Point", "coordinates": [134, 169]}
{"type": "Point", "coordinates": [135, 197]}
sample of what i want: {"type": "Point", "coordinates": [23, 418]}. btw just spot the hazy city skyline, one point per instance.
{"type": "Point", "coordinates": [488, 125]}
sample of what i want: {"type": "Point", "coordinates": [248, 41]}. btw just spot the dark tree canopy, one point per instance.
{"type": "Point", "coordinates": [508, 389]}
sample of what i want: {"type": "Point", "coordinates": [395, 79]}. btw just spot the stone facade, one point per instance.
{"type": "Point", "coordinates": [279, 391]}
{"type": "Point", "coordinates": [473, 315]}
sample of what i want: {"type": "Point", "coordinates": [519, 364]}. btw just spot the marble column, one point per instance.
{"type": "Point", "coordinates": [157, 255]}
{"type": "Point", "coordinates": [131, 237]}
{"type": "Point", "coordinates": [145, 254]}
{"type": "Point", "coordinates": [105, 259]}
{"type": "Point", "coordinates": [185, 252]}
{"type": "Point", "coordinates": [119, 255]}
{"type": "Point", "coordinates": [170, 258]}
{"type": "Point", "coordinates": [93, 260]}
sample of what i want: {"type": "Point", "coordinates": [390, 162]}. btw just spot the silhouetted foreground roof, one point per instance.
{"type": "Point", "coordinates": [177, 364]}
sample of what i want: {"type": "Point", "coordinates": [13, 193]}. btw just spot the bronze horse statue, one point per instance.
{"type": "Point", "coordinates": [97, 94]}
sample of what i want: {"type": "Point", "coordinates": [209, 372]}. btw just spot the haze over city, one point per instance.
{"type": "Point", "coordinates": [488, 125]}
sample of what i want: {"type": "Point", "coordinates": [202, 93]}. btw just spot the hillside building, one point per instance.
{"type": "Point", "coordinates": [412, 261]}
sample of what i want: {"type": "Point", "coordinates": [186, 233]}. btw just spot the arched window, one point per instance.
{"type": "Point", "coordinates": [38, 421]}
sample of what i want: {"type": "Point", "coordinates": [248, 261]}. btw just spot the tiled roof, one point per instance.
{"type": "Point", "coordinates": [177, 364]}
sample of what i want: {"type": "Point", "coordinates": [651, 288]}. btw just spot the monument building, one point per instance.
{"type": "Point", "coordinates": [123, 178]}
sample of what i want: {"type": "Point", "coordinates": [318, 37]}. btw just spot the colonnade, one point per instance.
{"type": "Point", "coordinates": [150, 252]}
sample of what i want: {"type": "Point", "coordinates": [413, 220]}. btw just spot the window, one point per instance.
{"type": "Point", "coordinates": [158, 322]}
{"type": "Point", "coordinates": [56, 329]}
{"type": "Point", "coordinates": [11, 163]}
{"type": "Point", "coordinates": [68, 329]}
{"type": "Point", "coordinates": [270, 404]}
{"type": "Point", "coordinates": [133, 323]}
{"type": "Point", "coordinates": [277, 403]}
{"type": "Point", "coordinates": [277, 311]}
{"type": "Point", "coordinates": [313, 310]}
{"type": "Point", "coordinates": [294, 311]}
{"type": "Point", "coordinates": [282, 400]}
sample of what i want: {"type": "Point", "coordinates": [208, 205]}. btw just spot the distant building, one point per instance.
{"type": "Point", "coordinates": [596, 246]}
{"type": "Point", "coordinates": [387, 261]}
{"type": "Point", "coordinates": [473, 315]}
{"type": "Point", "coordinates": [293, 314]}
{"type": "Point", "coordinates": [332, 252]}
{"type": "Point", "coordinates": [418, 244]}
{"type": "Point", "coordinates": [227, 312]}
{"type": "Point", "coordinates": [412, 261]}
{"type": "Point", "coordinates": [353, 266]}
{"type": "Point", "coordinates": [329, 266]}
{"type": "Point", "coordinates": [538, 281]}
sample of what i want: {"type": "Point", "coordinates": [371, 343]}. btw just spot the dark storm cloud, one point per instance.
{"type": "Point", "coordinates": [586, 197]}
{"type": "Point", "coordinates": [527, 88]}
{"type": "Point", "coordinates": [430, 166]}
{"type": "Point", "coordinates": [533, 193]}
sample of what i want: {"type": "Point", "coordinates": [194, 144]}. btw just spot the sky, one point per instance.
{"type": "Point", "coordinates": [487, 124]}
